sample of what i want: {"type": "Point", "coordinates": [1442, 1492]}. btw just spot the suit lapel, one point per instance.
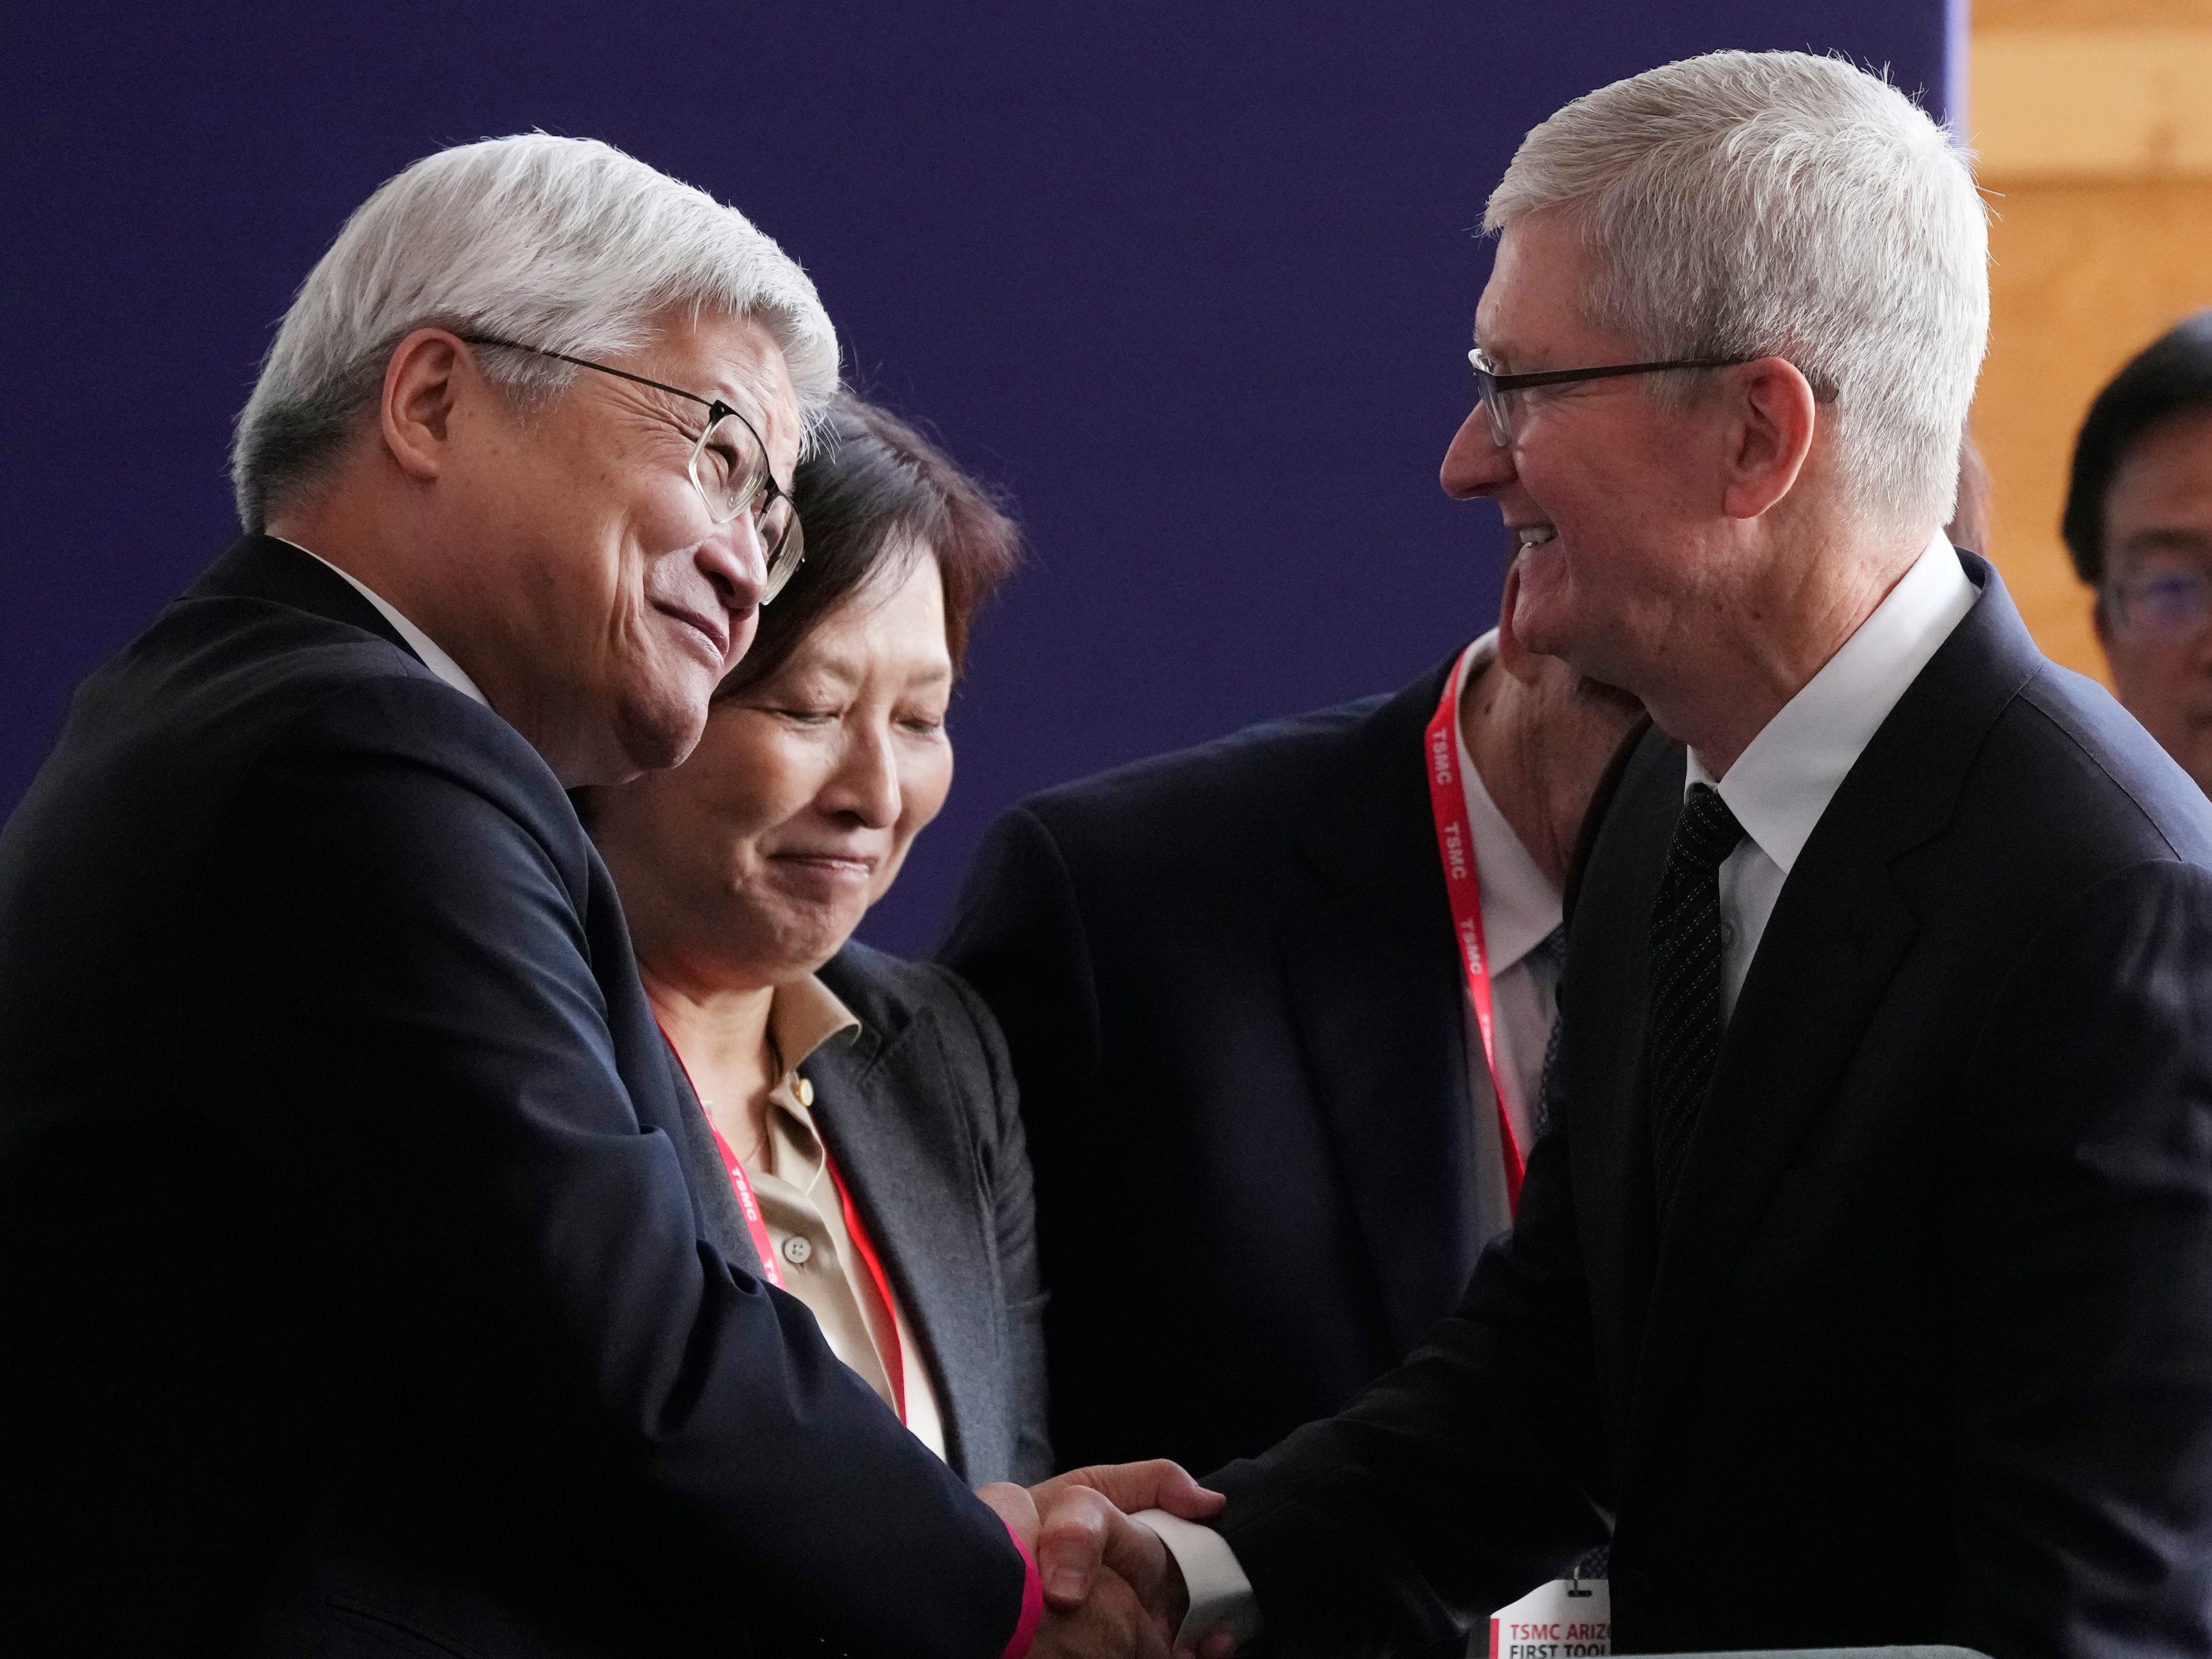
{"type": "Point", "coordinates": [1838, 935]}
{"type": "Point", "coordinates": [660, 1091]}
{"type": "Point", "coordinates": [1825, 962]}
{"type": "Point", "coordinates": [1600, 1099]}
{"type": "Point", "coordinates": [1373, 975]}
{"type": "Point", "coordinates": [886, 1105]}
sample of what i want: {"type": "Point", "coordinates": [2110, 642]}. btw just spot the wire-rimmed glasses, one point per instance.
{"type": "Point", "coordinates": [728, 467]}
{"type": "Point", "coordinates": [1500, 394]}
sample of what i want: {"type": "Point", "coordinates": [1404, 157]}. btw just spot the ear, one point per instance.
{"type": "Point", "coordinates": [1516, 658]}
{"type": "Point", "coordinates": [1776, 418]}
{"type": "Point", "coordinates": [420, 390]}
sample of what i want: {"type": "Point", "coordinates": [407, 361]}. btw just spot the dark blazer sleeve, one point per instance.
{"type": "Point", "coordinates": [1017, 937]}
{"type": "Point", "coordinates": [2083, 1304]}
{"type": "Point", "coordinates": [414, 1064]}
{"type": "Point", "coordinates": [1452, 1484]}
{"type": "Point", "coordinates": [1004, 1151]}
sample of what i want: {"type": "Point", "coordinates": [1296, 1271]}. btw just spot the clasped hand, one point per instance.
{"type": "Point", "coordinates": [1111, 1588]}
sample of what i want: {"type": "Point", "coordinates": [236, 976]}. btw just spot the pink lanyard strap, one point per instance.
{"type": "Point", "coordinates": [894, 1357]}
{"type": "Point", "coordinates": [1463, 887]}
{"type": "Point", "coordinates": [756, 1223]}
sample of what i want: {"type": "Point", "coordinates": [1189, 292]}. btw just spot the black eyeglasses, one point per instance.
{"type": "Point", "coordinates": [2170, 604]}
{"type": "Point", "coordinates": [729, 469]}
{"type": "Point", "coordinates": [1500, 394]}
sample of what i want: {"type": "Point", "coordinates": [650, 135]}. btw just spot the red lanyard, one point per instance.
{"type": "Point", "coordinates": [894, 1358]}
{"type": "Point", "coordinates": [1463, 886]}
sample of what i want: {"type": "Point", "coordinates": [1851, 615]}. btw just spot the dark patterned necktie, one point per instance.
{"type": "Point", "coordinates": [1685, 980]}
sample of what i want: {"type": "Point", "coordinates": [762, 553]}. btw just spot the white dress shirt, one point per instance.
{"type": "Point", "coordinates": [1783, 780]}
{"type": "Point", "coordinates": [1779, 788]}
{"type": "Point", "coordinates": [433, 655]}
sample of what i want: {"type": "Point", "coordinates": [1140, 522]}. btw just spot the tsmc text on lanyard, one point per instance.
{"type": "Point", "coordinates": [1463, 887]}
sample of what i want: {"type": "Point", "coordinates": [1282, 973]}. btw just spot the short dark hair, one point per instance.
{"type": "Point", "coordinates": [2170, 376]}
{"type": "Point", "coordinates": [872, 497]}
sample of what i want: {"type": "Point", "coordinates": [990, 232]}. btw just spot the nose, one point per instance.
{"type": "Point", "coordinates": [735, 564]}
{"type": "Point", "coordinates": [1476, 463]}
{"type": "Point", "coordinates": [866, 785]}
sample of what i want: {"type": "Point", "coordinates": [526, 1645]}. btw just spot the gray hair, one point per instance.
{"type": "Point", "coordinates": [1750, 204]}
{"type": "Point", "coordinates": [565, 243]}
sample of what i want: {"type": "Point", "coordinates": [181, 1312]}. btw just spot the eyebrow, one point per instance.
{"type": "Point", "coordinates": [748, 400]}
{"type": "Point", "coordinates": [2174, 539]}
{"type": "Point", "coordinates": [1503, 355]}
{"type": "Point", "coordinates": [847, 670]}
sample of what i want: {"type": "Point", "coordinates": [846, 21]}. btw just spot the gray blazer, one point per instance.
{"type": "Point", "coordinates": [920, 1112]}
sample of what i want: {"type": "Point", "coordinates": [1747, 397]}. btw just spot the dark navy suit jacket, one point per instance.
{"type": "Point", "coordinates": [370, 1285]}
{"type": "Point", "coordinates": [1235, 1010]}
{"type": "Point", "coordinates": [1925, 1352]}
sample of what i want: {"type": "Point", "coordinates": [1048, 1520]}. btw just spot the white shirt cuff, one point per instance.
{"type": "Point", "coordinates": [1221, 1596]}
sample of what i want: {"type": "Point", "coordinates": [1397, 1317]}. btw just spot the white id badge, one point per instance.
{"type": "Point", "coordinates": [1566, 1619]}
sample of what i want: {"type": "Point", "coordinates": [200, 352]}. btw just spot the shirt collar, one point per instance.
{"type": "Point", "coordinates": [1520, 907]}
{"type": "Point", "coordinates": [421, 644]}
{"type": "Point", "coordinates": [802, 1016]}
{"type": "Point", "coordinates": [1783, 783]}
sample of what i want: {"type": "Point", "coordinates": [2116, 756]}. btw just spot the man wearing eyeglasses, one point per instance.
{"type": "Point", "coordinates": [1862, 1292]}
{"type": "Point", "coordinates": [371, 1280]}
{"type": "Point", "coordinates": [2138, 521]}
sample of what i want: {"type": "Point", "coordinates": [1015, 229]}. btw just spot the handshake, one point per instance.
{"type": "Point", "coordinates": [1111, 1587]}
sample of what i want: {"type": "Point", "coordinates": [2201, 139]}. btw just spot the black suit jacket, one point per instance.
{"type": "Point", "coordinates": [920, 1112]}
{"type": "Point", "coordinates": [1229, 982]}
{"type": "Point", "coordinates": [370, 1284]}
{"type": "Point", "coordinates": [1925, 1352]}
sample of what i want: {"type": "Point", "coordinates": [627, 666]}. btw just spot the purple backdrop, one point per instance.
{"type": "Point", "coordinates": [1191, 283]}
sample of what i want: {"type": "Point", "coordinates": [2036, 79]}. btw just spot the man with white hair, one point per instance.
{"type": "Point", "coordinates": [373, 1281]}
{"type": "Point", "coordinates": [1864, 1292]}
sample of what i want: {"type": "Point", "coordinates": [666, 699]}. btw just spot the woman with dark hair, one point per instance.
{"type": "Point", "coordinates": [865, 1106]}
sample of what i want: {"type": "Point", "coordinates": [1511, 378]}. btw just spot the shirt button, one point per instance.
{"type": "Point", "coordinates": [805, 1091]}
{"type": "Point", "coordinates": [796, 1250]}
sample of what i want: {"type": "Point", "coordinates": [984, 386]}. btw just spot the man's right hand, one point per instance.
{"type": "Point", "coordinates": [1085, 1544]}
{"type": "Point", "coordinates": [1111, 1621]}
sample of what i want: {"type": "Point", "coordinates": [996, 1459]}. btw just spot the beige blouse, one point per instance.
{"type": "Point", "coordinates": [806, 1224]}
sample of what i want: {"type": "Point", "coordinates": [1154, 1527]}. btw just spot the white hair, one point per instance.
{"type": "Point", "coordinates": [564, 244]}
{"type": "Point", "coordinates": [1750, 204]}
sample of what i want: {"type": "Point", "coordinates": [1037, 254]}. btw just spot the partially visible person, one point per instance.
{"type": "Point", "coordinates": [865, 1104]}
{"type": "Point", "coordinates": [2138, 521]}
{"type": "Point", "coordinates": [1269, 1139]}
{"type": "Point", "coordinates": [371, 1282]}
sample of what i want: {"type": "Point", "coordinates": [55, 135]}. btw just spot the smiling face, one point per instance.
{"type": "Point", "coordinates": [1611, 496]}
{"type": "Point", "coordinates": [2158, 541]}
{"type": "Point", "coordinates": [751, 863]}
{"type": "Point", "coordinates": [599, 603]}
